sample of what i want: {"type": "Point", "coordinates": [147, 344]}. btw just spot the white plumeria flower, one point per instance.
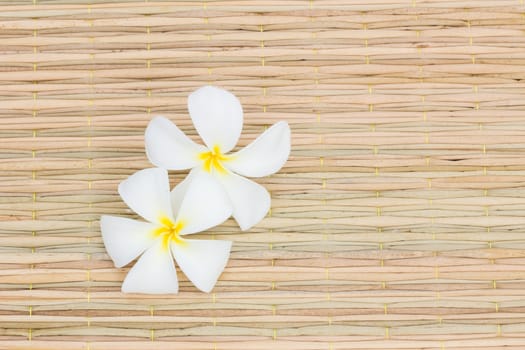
{"type": "Point", "coordinates": [218, 118]}
{"type": "Point", "coordinates": [170, 217]}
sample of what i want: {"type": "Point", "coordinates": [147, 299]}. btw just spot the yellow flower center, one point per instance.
{"type": "Point", "coordinates": [169, 232]}
{"type": "Point", "coordinates": [213, 159]}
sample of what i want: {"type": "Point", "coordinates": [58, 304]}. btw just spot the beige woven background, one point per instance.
{"type": "Point", "coordinates": [397, 223]}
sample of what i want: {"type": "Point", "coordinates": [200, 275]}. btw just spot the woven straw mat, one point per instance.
{"type": "Point", "coordinates": [397, 223]}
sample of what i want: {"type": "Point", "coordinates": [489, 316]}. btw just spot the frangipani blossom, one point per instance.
{"type": "Point", "coordinates": [163, 237]}
{"type": "Point", "coordinates": [218, 118]}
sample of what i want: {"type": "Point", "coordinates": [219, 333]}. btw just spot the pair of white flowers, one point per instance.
{"type": "Point", "coordinates": [214, 190]}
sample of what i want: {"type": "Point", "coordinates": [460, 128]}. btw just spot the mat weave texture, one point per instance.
{"type": "Point", "coordinates": [397, 223]}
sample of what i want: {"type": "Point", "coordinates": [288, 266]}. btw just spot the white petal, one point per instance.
{"type": "Point", "coordinates": [202, 261]}
{"type": "Point", "coordinates": [250, 200]}
{"type": "Point", "coordinates": [154, 272]}
{"type": "Point", "coordinates": [179, 191]}
{"type": "Point", "coordinates": [124, 238]}
{"type": "Point", "coordinates": [147, 192]}
{"type": "Point", "coordinates": [217, 116]}
{"type": "Point", "coordinates": [168, 147]}
{"type": "Point", "coordinates": [205, 204]}
{"type": "Point", "coordinates": [265, 155]}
